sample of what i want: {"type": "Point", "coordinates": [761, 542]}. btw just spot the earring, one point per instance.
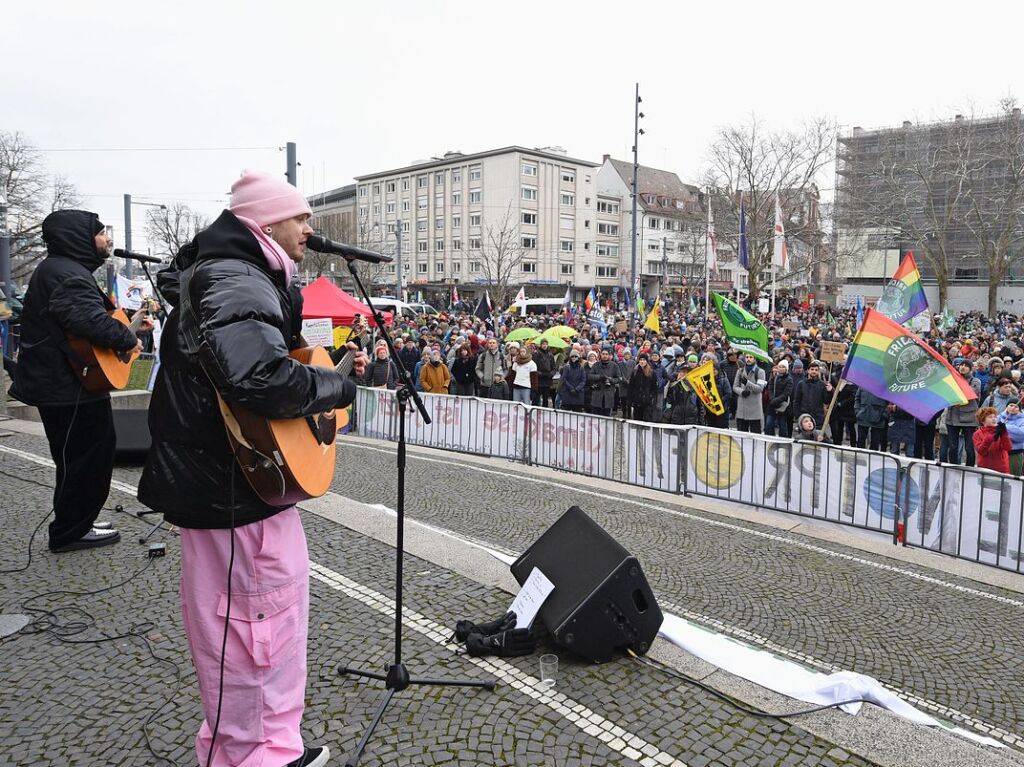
{"type": "Point", "coordinates": [268, 230]}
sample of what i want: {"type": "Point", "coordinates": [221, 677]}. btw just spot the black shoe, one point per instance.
{"type": "Point", "coordinates": [312, 757]}
{"type": "Point", "coordinates": [91, 540]}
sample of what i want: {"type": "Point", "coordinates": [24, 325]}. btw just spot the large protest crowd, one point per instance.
{"type": "Point", "coordinates": [626, 369]}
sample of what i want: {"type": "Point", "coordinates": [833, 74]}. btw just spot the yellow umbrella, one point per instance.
{"type": "Point", "coordinates": [562, 331]}
{"type": "Point", "coordinates": [522, 334]}
{"type": "Point", "coordinates": [555, 342]}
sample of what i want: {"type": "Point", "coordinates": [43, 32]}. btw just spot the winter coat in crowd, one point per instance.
{"type": "Point", "coordinates": [993, 452]}
{"type": "Point", "coordinates": [464, 370]}
{"type": "Point", "coordinates": [603, 380]}
{"type": "Point", "coordinates": [626, 368]}
{"type": "Point", "coordinates": [965, 415]}
{"type": "Point", "coordinates": [410, 356]}
{"type": "Point", "coordinates": [804, 431]}
{"type": "Point", "coordinates": [545, 366]}
{"type": "Point", "coordinates": [810, 397]}
{"type": "Point", "coordinates": [748, 383]}
{"type": "Point", "coordinates": [780, 393]}
{"type": "Point", "coordinates": [499, 389]}
{"type": "Point", "coordinates": [682, 405]}
{"type": "Point", "coordinates": [870, 411]}
{"type": "Point", "coordinates": [63, 299]}
{"type": "Point", "coordinates": [998, 400]}
{"type": "Point", "coordinates": [246, 320]}
{"type": "Point", "coordinates": [487, 364]}
{"type": "Point", "coordinates": [381, 374]}
{"type": "Point", "coordinates": [574, 383]}
{"type": "Point", "coordinates": [1015, 428]}
{"type": "Point", "coordinates": [846, 403]}
{"type": "Point", "coordinates": [643, 389]}
{"type": "Point", "coordinates": [435, 377]}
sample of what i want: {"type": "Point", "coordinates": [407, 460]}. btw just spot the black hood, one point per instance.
{"type": "Point", "coordinates": [227, 237]}
{"type": "Point", "coordinates": [72, 234]}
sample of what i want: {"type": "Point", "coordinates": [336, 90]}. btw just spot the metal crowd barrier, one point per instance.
{"type": "Point", "coordinates": [959, 511]}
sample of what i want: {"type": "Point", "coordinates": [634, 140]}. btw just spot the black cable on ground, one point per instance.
{"type": "Point", "coordinates": [659, 666]}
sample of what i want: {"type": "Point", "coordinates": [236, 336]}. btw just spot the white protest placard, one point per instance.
{"type": "Point", "coordinates": [531, 596]}
{"type": "Point", "coordinates": [318, 332]}
{"type": "Point", "coordinates": [763, 306]}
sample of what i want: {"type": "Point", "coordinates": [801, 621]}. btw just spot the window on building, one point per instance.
{"type": "Point", "coordinates": [475, 196]}
{"type": "Point", "coordinates": [376, 189]}
{"type": "Point", "coordinates": [568, 199]}
{"type": "Point", "coordinates": [654, 246]}
{"type": "Point", "coordinates": [456, 244]}
{"type": "Point", "coordinates": [406, 250]}
{"type": "Point", "coordinates": [603, 206]}
{"type": "Point", "coordinates": [475, 172]}
{"type": "Point", "coordinates": [439, 223]}
{"type": "Point", "coordinates": [607, 271]}
{"type": "Point", "coordinates": [390, 208]}
{"type": "Point", "coordinates": [362, 191]}
{"type": "Point", "coordinates": [530, 267]}
{"type": "Point", "coordinates": [421, 203]}
{"type": "Point", "coordinates": [654, 223]}
{"type": "Point", "coordinates": [391, 269]}
{"type": "Point", "coordinates": [530, 218]}
{"type": "Point", "coordinates": [567, 223]}
{"type": "Point", "coordinates": [475, 266]}
{"type": "Point", "coordinates": [603, 249]}
{"type": "Point", "coordinates": [456, 222]}
{"type": "Point", "coordinates": [421, 226]}
{"type": "Point", "coordinates": [611, 230]}
{"type": "Point", "coordinates": [405, 206]}
{"type": "Point", "coordinates": [529, 169]}
{"type": "Point", "coordinates": [391, 227]}
{"type": "Point", "coordinates": [390, 186]}
{"type": "Point", "coordinates": [654, 267]}
{"type": "Point", "coordinates": [566, 268]}
{"type": "Point", "coordinates": [529, 242]}
{"type": "Point", "coordinates": [421, 182]}
{"type": "Point", "coordinates": [456, 175]}
{"type": "Point", "coordinates": [439, 177]}
{"type": "Point", "coordinates": [421, 246]}
{"type": "Point", "coordinates": [586, 268]}
{"type": "Point", "coordinates": [456, 267]}
{"type": "Point", "coordinates": [529, 193]}
{"type": "Point", "coordinates": [456, 198]}
{"type": "Point", "coordinates": [376, 210]}
{"type": "Point", "coordinates": [439, 202]}
{"type": "Point", "coordinates": [569, 175]}
{"type": "Point", "coordinates": [566, 246]}
{"type": "Point", "coordinates": [670, 225]}
{"type": "Point", "coordinates": [405, 226]}
{"type": "Point", "coordinates": [474, 243]}
{"type": "Point", "coordinates": [475, 219]}
{"type": "Point", "coordinates": [439, 246]}
{"type": "Point", "coordinates": [439, 267]}
{"type": "Point", "coordinates": [405, 185]}
{"type": "Point", "coordinates": [421, 268]}
{"type": "Point", "coordinates": [362, 211]}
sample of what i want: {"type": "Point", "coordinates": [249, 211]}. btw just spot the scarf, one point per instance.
{"type": "Point", "coordinates": [277, 259]}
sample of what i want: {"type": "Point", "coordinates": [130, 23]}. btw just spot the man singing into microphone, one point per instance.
{"type": "Point", "coordinates": [232, 336]}
{"type": "Point", "coordinates": [63, 299]}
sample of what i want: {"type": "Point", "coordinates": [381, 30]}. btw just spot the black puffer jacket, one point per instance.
{"type": "Point", "coordinates": [247, 323]}
{"type": "Point", "coordinates": [63, 298]}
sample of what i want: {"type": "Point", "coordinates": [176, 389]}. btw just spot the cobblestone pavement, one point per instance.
{"type": "Point", "coordinates": [85, 704]}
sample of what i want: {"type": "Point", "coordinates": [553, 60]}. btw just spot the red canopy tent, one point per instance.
{"type": "Point", "coordinates": [322, 298]}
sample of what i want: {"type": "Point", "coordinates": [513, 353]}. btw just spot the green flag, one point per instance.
{"type": "Point", "coordinates": [829, 319]}
{"type": "Point", "coordinates": [947, 320]}
{"type": "Point", "coordinates": [745, 332]}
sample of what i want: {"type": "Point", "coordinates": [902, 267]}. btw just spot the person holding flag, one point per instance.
{"type": "Point", "coordinates": [903, 297]}
{"type": "Point", "coordinates": [653, 321]}
{"type": "Point", "coordinates": [748, 385]}
{"type": "Point", "coordinates": [745, 332]}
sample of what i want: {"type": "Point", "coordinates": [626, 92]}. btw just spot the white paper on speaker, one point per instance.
{"type": "Point", "coordinates": [531, 596]}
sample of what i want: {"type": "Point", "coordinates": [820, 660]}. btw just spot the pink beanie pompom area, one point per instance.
{"type": "Point", "coordinates": [266, 199]}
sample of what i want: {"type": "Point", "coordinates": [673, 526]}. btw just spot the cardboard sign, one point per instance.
{"type": "Point", "coordinates": [832, 351]}
{"type": "Point", "coordinates": [787, 325]}
{"type": "Point", "coordinates": [318, 332]}
{"type": "Point", "coordinates": [621, 326]}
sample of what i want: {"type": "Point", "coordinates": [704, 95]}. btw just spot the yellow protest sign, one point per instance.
{"type": "Point", "coordinates": [702, 379]}
{"type": "Point", "coordinates": [341, 335]}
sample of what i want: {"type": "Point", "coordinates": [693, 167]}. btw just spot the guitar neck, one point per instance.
{"type": "Point", "coordinates": [345, 366]}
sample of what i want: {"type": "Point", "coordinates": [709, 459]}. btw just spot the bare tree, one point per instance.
{"type": "Point", "coordinates": [501, 256]}
{"type": "Point", "coordinates": [345, 228]}
{"type": "Point", "coordinates": [749, 166]}
{"type": "Point", "coordinates": [169, 229]}
{"type": "Point", "coordinates": [31, 194]}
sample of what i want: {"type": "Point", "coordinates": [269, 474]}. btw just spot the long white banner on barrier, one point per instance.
{"type": "Point", "coordinates": [652, 455]}
{"type": "Point", "coordinates": [573, 441]}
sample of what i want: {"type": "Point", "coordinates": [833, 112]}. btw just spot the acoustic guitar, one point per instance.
{"type": "Point", "coordinates": [287, 460]}
{"type": "Point", "coordinates": [103, 370]}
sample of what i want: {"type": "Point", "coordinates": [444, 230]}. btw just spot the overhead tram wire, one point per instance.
{"type": "Point", "coordinates": [164, 149]}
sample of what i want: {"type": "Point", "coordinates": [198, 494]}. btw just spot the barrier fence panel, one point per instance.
{"type": "Point", "coordinates": [964, 512]}
{"type": "Point", "coordinates": [375, 413]}
{"type": "Point", "coordinates": [576, 442]}
{"type": "Point", "coordinates": [812, 479]}
{"type": "Point", "coordinates": [653, 455]}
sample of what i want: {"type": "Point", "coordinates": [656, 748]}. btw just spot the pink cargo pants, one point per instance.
{"type": "Point", "coordinates": [265, 657]}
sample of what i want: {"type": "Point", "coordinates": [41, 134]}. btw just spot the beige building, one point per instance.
{"type": "Point", "coordinates": [522, 216]}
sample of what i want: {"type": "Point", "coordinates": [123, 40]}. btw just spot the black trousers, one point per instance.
{"type": "Point", "coordinates": [82, 446]}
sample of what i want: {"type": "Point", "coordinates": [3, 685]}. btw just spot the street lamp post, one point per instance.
{"type": "Point", "coordinates": [5, 250]}
{"type": "Point", "coordinates": [637, 133]}
{"type": "Point", "coordinates": [128, 270]}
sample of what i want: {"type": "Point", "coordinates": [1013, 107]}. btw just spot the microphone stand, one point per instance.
{"type": "Point", "coordinates": [397, 677]}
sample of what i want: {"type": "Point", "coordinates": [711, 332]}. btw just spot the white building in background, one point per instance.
{"type": "Point", "coordinates": [452, 209]}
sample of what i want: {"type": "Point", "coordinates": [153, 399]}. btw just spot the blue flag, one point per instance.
{"type": "Point", "coordinates": [744, 259]}
{"type": "Point", "coordinates": [860, 312]}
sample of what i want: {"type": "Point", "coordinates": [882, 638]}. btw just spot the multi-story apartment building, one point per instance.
{"type": "Point", "coordinates": [334, 217]}
{"type": "Point", "coordinates": [527, 215]}
{"type": "Point", "coordinates": [933, 189]}
{"type": "Point", "coordinates": [671, 229]}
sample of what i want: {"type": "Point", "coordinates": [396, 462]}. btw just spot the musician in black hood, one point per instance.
{"type": "Point", "coordinates": [63, 299]}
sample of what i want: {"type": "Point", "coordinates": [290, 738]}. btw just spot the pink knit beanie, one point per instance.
{"type": "Point", "coordinates": [266, 199]}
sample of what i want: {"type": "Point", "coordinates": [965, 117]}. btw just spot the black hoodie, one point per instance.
{"type": "Point", "coordinates": [63, 299]}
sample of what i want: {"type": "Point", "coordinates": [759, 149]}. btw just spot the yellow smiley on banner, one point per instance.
{"type": "Point", "coordinates": [717, 460]}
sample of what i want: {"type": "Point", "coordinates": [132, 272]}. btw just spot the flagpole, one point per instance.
{"type": "Point", "coordinates": [707, 271]}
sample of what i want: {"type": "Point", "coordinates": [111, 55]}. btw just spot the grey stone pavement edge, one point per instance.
{"type": "Point", "coordinates": [85, 704]}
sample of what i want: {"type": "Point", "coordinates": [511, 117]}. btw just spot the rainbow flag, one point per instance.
{"type": "Point", "coordinates": [590, 300]}
{"type": "Point", "coordinates": [903, 297]}
{"type": "Point", "coordinates": [892, 363]}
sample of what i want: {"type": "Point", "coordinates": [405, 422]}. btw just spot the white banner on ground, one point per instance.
{"type": "Point", "coordinates": [572, 441]}
{"type": "Point", "coordinates": [653, 454]}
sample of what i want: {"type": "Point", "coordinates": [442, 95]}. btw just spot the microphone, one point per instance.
{"type": "Point", "coordinates": [348, 252]}
{"type": "Point", "coordinates": [120, 253]}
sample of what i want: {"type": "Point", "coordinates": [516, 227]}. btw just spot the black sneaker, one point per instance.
{"type": "Point", "coordinates": [312, 757]}
{"type": "Point", "coordinates": [91, 540]}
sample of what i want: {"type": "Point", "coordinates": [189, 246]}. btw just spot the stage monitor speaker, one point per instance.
{"type": "Point", "coordinates": [131, 429]}
{"type": "Point", "coordinates": [602, 603]}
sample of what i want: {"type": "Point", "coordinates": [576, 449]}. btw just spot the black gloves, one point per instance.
{"type": "Point", "coordinates": [464, 628]}
{"type": "Point", "coordinates": [1000, 429]}
{"type": "Point", "coordinates": [507, 644]}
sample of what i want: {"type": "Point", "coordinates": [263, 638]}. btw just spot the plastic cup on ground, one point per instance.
{"type": "Point", "coordinates": [548, 671]}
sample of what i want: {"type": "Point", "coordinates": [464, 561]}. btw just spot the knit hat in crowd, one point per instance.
{"type": "Point", "coordinates": [266, 199]}
{"type": "Point", "coordinates": [1013, 401]}
{"type": "Point", "coordinates": [692, 358]}
{"type": "Point", "coordinates": [797, 365]}
{"type": "Point", "coordinates": [783, 365]}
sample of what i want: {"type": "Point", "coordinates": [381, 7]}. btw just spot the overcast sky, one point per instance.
{"type": "Point", "coordinates": [363, 87]}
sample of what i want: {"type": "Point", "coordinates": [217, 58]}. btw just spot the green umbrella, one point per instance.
{"type": "Point", "coordinates": [562, 331]}
{"type": "Point", "coordinates": [522, 334]}
{"type": "Point", "coordinates": [555, 342]}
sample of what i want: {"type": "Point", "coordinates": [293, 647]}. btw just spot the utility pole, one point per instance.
{"type": "Point", "coordinates": [637, 132]}
{"type": "Point", "coordinates": [292, 163]}
{"type": "Point", "coordinates": [400, 278]}
{"type": "Point", "coordinates": [664, 265]}
{"type": "Point", "coordinates": [5, 251]}
{"type": "Point", "coordinates": [128, 234]}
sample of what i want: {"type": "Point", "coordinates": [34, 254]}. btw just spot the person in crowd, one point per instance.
{"type": "Point", "coordinates": [924, 437]}
{"type": "Point", "coordinates": [523, 376]}
{"type": "Point", "coordinates": [992, 442]}
{"type": "Point", "coordinates": [729, 368]}
{"type": "Point", "coordinates": [748, 384]}
{"type": "Point", "coordinates": [409, 354]}
{"type": "Point", "coordinates": [498, 388]}
{"type": "Point", "coordinates": [683, 407]}
{"type": "Point", "coordinates": [724, 391]}
{"type": "Point", "coordinates": [572, 389]}
{"type": "Point", "coordinates": [812, 394]}
{"type": "Point", "coordinates": [843, 421]}
{"type": "Point", "coordinates": [464, 372]}
{"type": "Point", "coordinates": [545, 372]}
{"type": "Point", "coordinates": [603, 381]}
{"type": "Point", "coordinates": [902, 431]}
{"type": "Point", "coordinates": [807, 430]}
{"type": "Point", "coordinates": [1014, 420]}
{"type": "Point", "coordinates": [418, 370]}
{"type": "Point", "coordinates": [981, 372]}
{"type": "Point", "coordinates": [434, 375]}
{"type": "Point", "coordinates": [381, 372]}
{"type": "Point", "coordinates": [1003, 393]}
{"type": "Point", "coordinates": [643, 390]}
{"type": "Point", "coordinates": [588, 393]}
{"type": "Point", "coordinates": [778, 393]}
{"type": "Point", "coordinates": [63, 300]}
{"type": "Point", "coordinates": [961, 420]}
{"type": "Point", "coordinates": [489, 362]}
{"type": "Point", "coordinates": [626, 367]}
{"type": "Point", "coordinates": [244, 562]}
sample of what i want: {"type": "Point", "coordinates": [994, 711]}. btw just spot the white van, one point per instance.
{"type": "Point", "coordinates": [407, 311]}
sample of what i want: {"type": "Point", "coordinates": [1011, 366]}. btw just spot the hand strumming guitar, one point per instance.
{"type": "Point", "coordinates": [359, 360]}
{"type": "Point", "coordinates": [146, 324]}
